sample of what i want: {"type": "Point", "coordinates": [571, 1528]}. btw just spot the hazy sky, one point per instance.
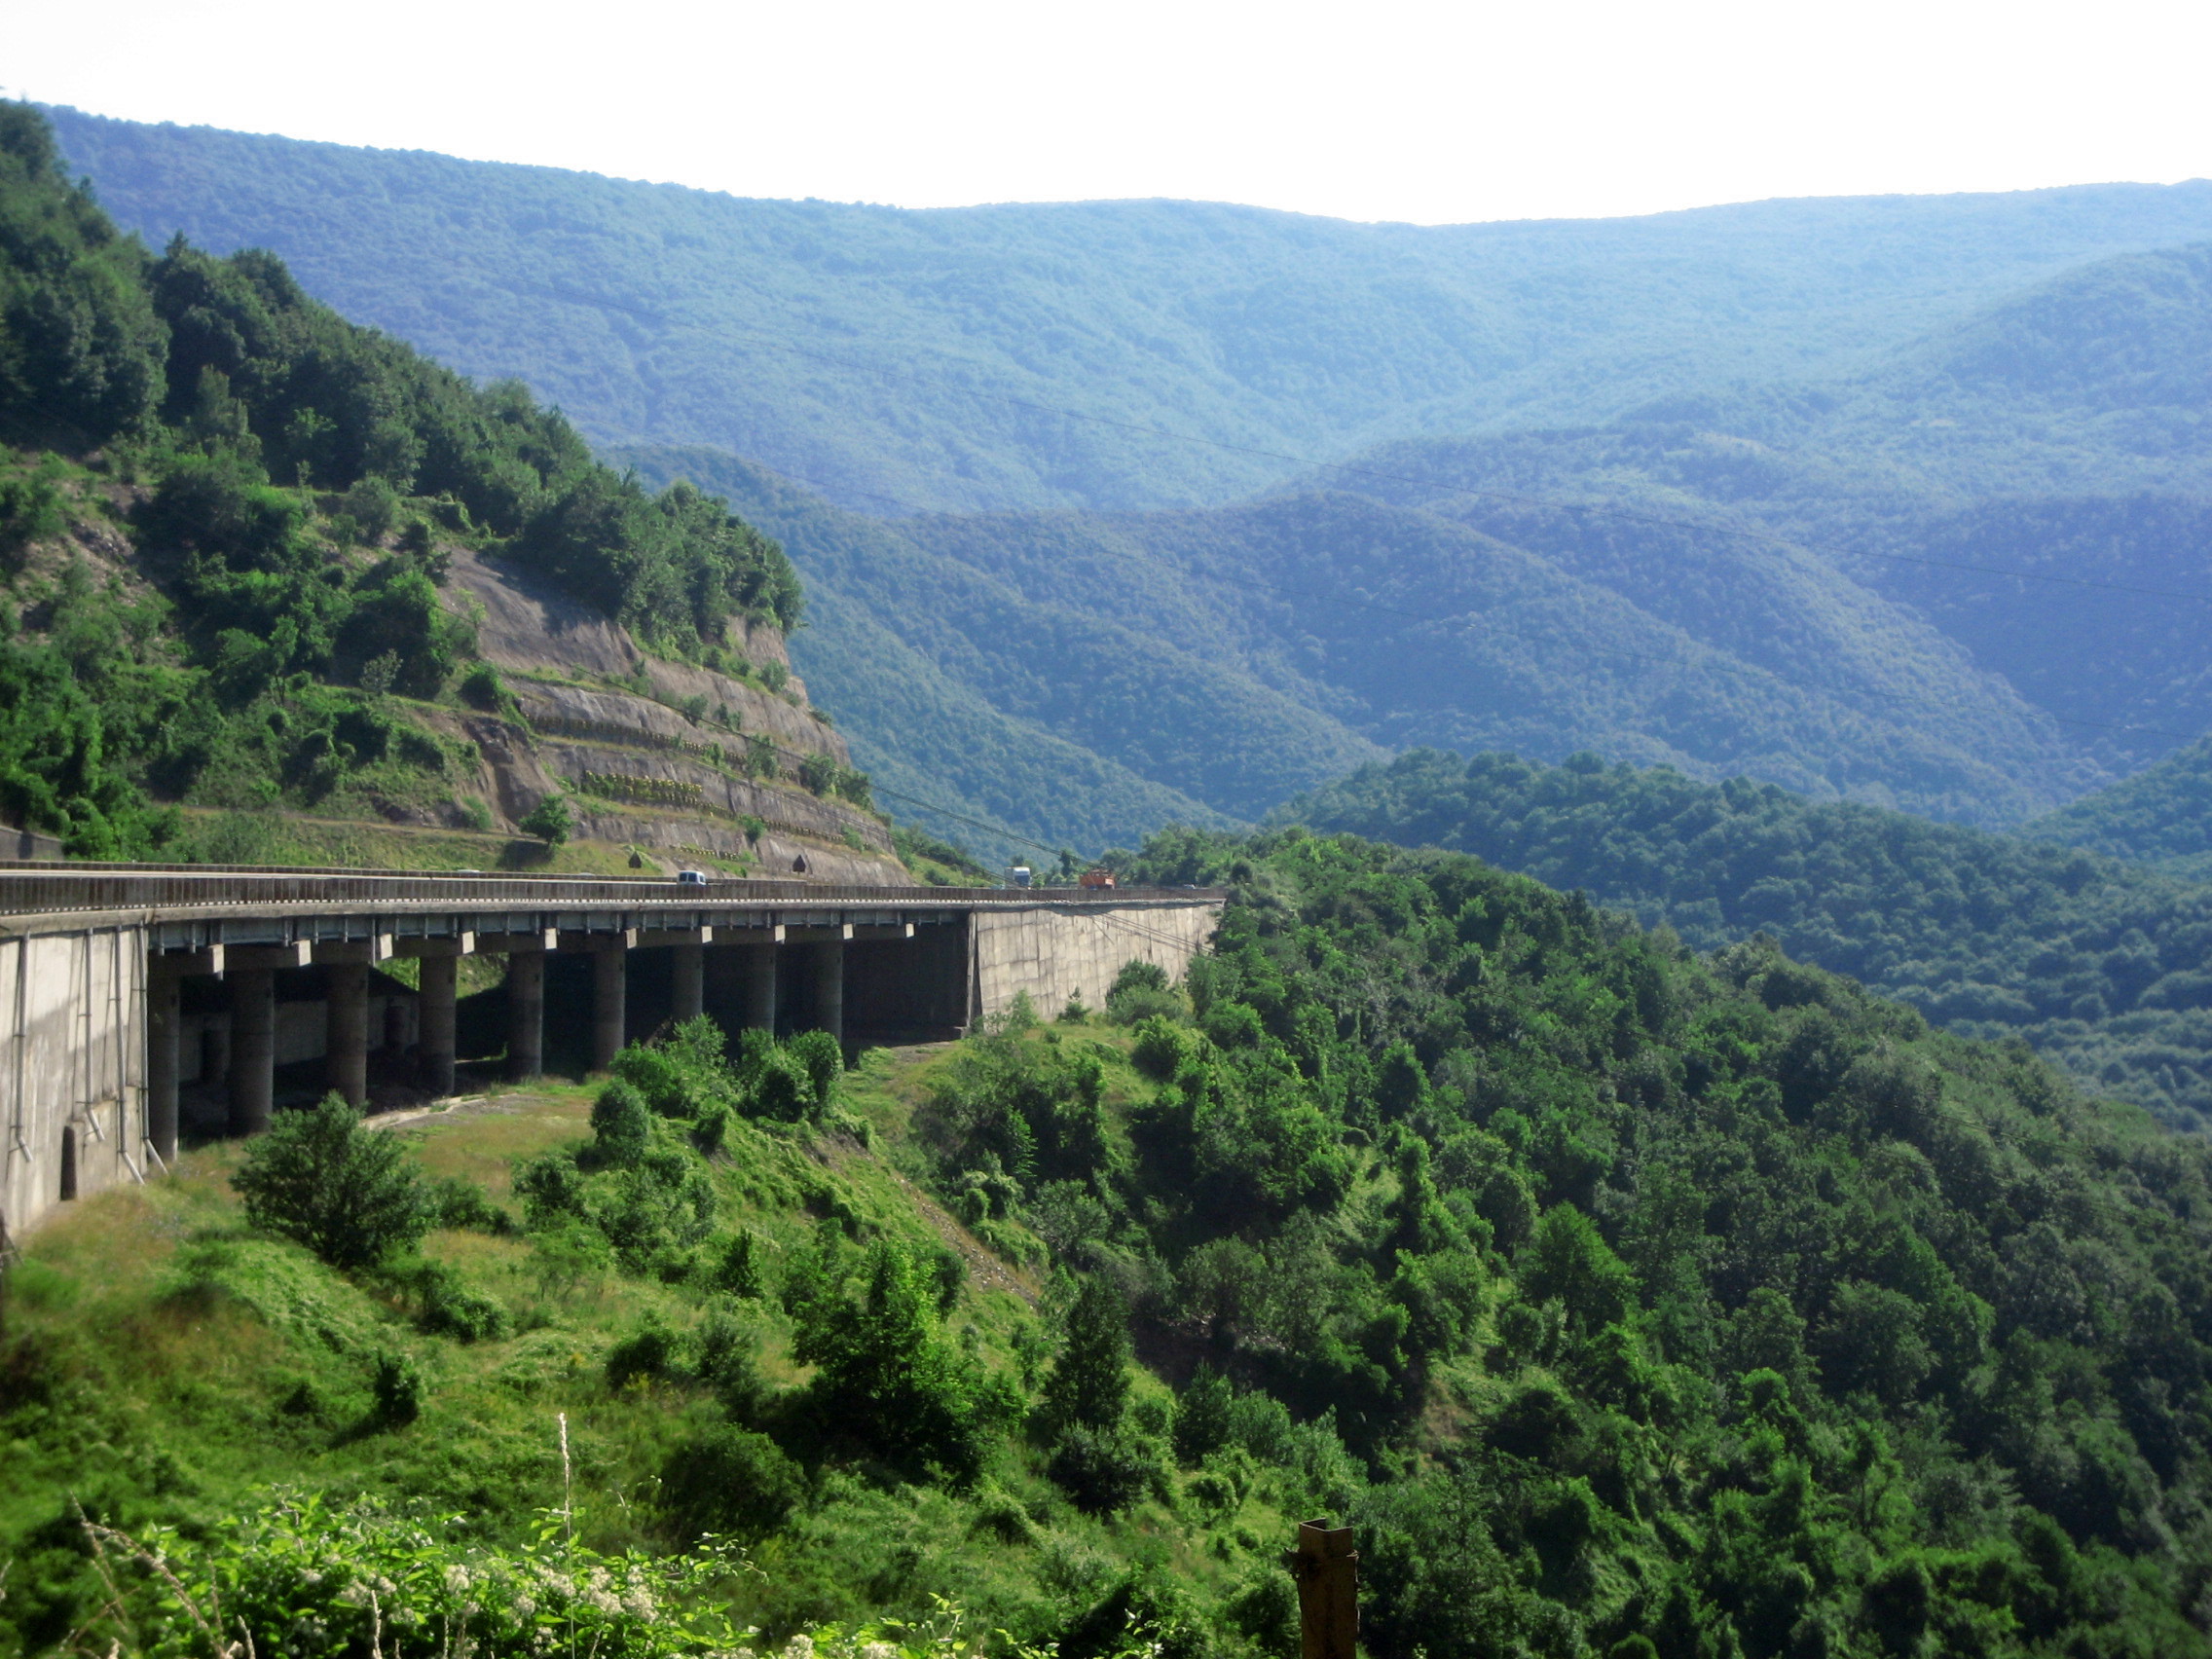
{"type": "Point", "coordinates": [1431, 113]}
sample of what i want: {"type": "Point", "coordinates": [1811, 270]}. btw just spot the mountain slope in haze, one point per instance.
{"type": "Point", "coordinates": [2101, 965]}
{"type": "Point", "coordinates": [2163, 816]}
{"type": "Point", "coordinates": [1239, 654]}
{"type": "Point", "coordinates": [981, 358]}
{"type": "Point", "coordinates": [2036, 481]}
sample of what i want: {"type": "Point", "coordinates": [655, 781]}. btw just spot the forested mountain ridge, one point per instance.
{"type": "Point", "coordinates": [2099, 964]}
{"type": "Point", "coordinates": [981, 358]}
{"type": "Point", "coordinates": [2031, 481]}
{"type": "Point", "coordinates": [2161, 816]}
{"type": "Point", "coordinates": [1239, 654]}
{"type": "Point", "coordinates": [1876, 588]}
{"type": "Point", "coordinates": [1626, 1302]}
{"type": "Point", "coordinates": [253, 557]}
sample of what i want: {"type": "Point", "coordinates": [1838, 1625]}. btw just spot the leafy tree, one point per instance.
{"type": "Point", "coordinates": [1090, 1386]}
{"type": "Point", "coordinates": [347, 1192]}
{"type": "Point", "coordinates": [885, 1377]}
{"type": "Point", "coordinates": [550, 821]}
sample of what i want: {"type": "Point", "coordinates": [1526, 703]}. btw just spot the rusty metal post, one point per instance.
{"type": "Point", "coordinates": [1327, 1570]}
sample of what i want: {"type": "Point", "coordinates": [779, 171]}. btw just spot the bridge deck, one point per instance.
{"type": "Point", "coordinates": [174, 893]}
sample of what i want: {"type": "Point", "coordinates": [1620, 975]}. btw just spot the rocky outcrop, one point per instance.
{"type": "Point", "coordinates": [578, 733]}
{"type": "Point", "coordinates": [620, 717]}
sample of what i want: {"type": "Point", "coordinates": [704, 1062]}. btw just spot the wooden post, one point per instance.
{"type": "Point", "coordinates": [1327, 1570]}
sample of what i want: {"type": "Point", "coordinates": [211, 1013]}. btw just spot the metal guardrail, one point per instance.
{"type": "Point", "coordinates": [42, 890]}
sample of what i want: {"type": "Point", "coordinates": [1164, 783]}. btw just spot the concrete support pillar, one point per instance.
{"type": "Point", "coordinates": [435, 1031]}
{"type": "Point", "coordinates": [724, 992]}
{"type": "Point", "coordinates": [830, 988]}
{"type": "Point", "coordinates": [610, 999]}
{"type": "Point", "coordinates": [164, 1020]}
{"type": "Point", "coordinates": [691, 987]}
{"type": "Point", "coordinates": [760, 987]}
{"type": "Point", "coordinates": [253, 1048]}
{"type": "Point", "coordinates": [526, 1014]}
{"type": "Point", "coordinates": [346, 1041]}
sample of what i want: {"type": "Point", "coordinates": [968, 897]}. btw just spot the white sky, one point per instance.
{"type": "Point", "coordinates": [1391, 110]}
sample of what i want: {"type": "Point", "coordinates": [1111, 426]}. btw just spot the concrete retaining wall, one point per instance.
{"type": "Point", "coordinates": [1055, 952]}
{"type": "Point", "coordinates": [73, 1067]}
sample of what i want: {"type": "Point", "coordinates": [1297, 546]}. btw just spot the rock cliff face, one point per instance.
{"type": "Point", "coordinates": [668, 757]}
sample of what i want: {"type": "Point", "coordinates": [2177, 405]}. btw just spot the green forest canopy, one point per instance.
{"type": "Point", "coordinates": [243, 438]}
{"type": "Point", "coordinates": [2101, 965]}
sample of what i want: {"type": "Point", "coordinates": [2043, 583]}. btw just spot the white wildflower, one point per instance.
{"type": "Point", "coordinates": [800, 1646]}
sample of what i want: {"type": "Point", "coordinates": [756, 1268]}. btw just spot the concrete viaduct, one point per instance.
{"type": "Point", "coordinates": [122, 984]}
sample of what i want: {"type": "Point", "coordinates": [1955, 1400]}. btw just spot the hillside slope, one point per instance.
{"type": "Point", "coordinates": [1918, 587]}
{"type": "Point", "coordinates": [257, 560]}
{"type": "Point", "coordinates": [1013, 356]}
{"type": "Point", "coordinates": [1623, 1302]}
{"type": "Point", "coordinates": [2101, 965]}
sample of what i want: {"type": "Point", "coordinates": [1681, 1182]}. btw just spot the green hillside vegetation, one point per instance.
{"type": "Point", "coordinates": [223, 523]}
{"type": "Point", "coordinates": [2100, 965]}
{"type": "Point", "coordinates": [1013, 356]}
{"type": "Point", "coordinates": [1627, 1302]}
{"type": "Point", "coordinates": [2161, 816]}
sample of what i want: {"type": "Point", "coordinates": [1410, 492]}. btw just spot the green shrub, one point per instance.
{"type": "Point", "coordinates": [463, 1205]}
{"type": "Point", "coordinates": [822, 1058]}
{"type": "Point", "coordinates": [551, 1188]}
{"type": "Point", "coordinates": [396, 1382]}
{"type": "Point", "coordinates": [1160, 1046]}
{"type": "Point", "coordinates": [782, 1089]}
{"type": "Point", "coordinates": [885, 1377]}
{"type": "Point", "coordinates": [30, 510]}
{"type": "Point", "coordinates": [450, 1308]}
{"type": "Point", "coordinates": [550, 821]}
{"type": "Point", "coordinates": [481, 687]}
{"type": "Point", "coordinates": [1137, 976]}
{"type": "Point", "coordinates": [475, 814]}
{"type": "Point", "coordinates": [1103, 1470]}
{"type": "Point", "coordinates": [373, 504]}
{"type": "Point", "coordinates": [349, 1194]}
{"type": "Point", "coordinates": [1202, 1415]}
{"type": "Point", "coordinates": [730, 1483]}
{"type": "Point", "coordinates": [738, 1272]}
{"type": "Point", "coordinates": [647, 1354]}
{"type": "Point", "coordinates": [621, 1125]}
